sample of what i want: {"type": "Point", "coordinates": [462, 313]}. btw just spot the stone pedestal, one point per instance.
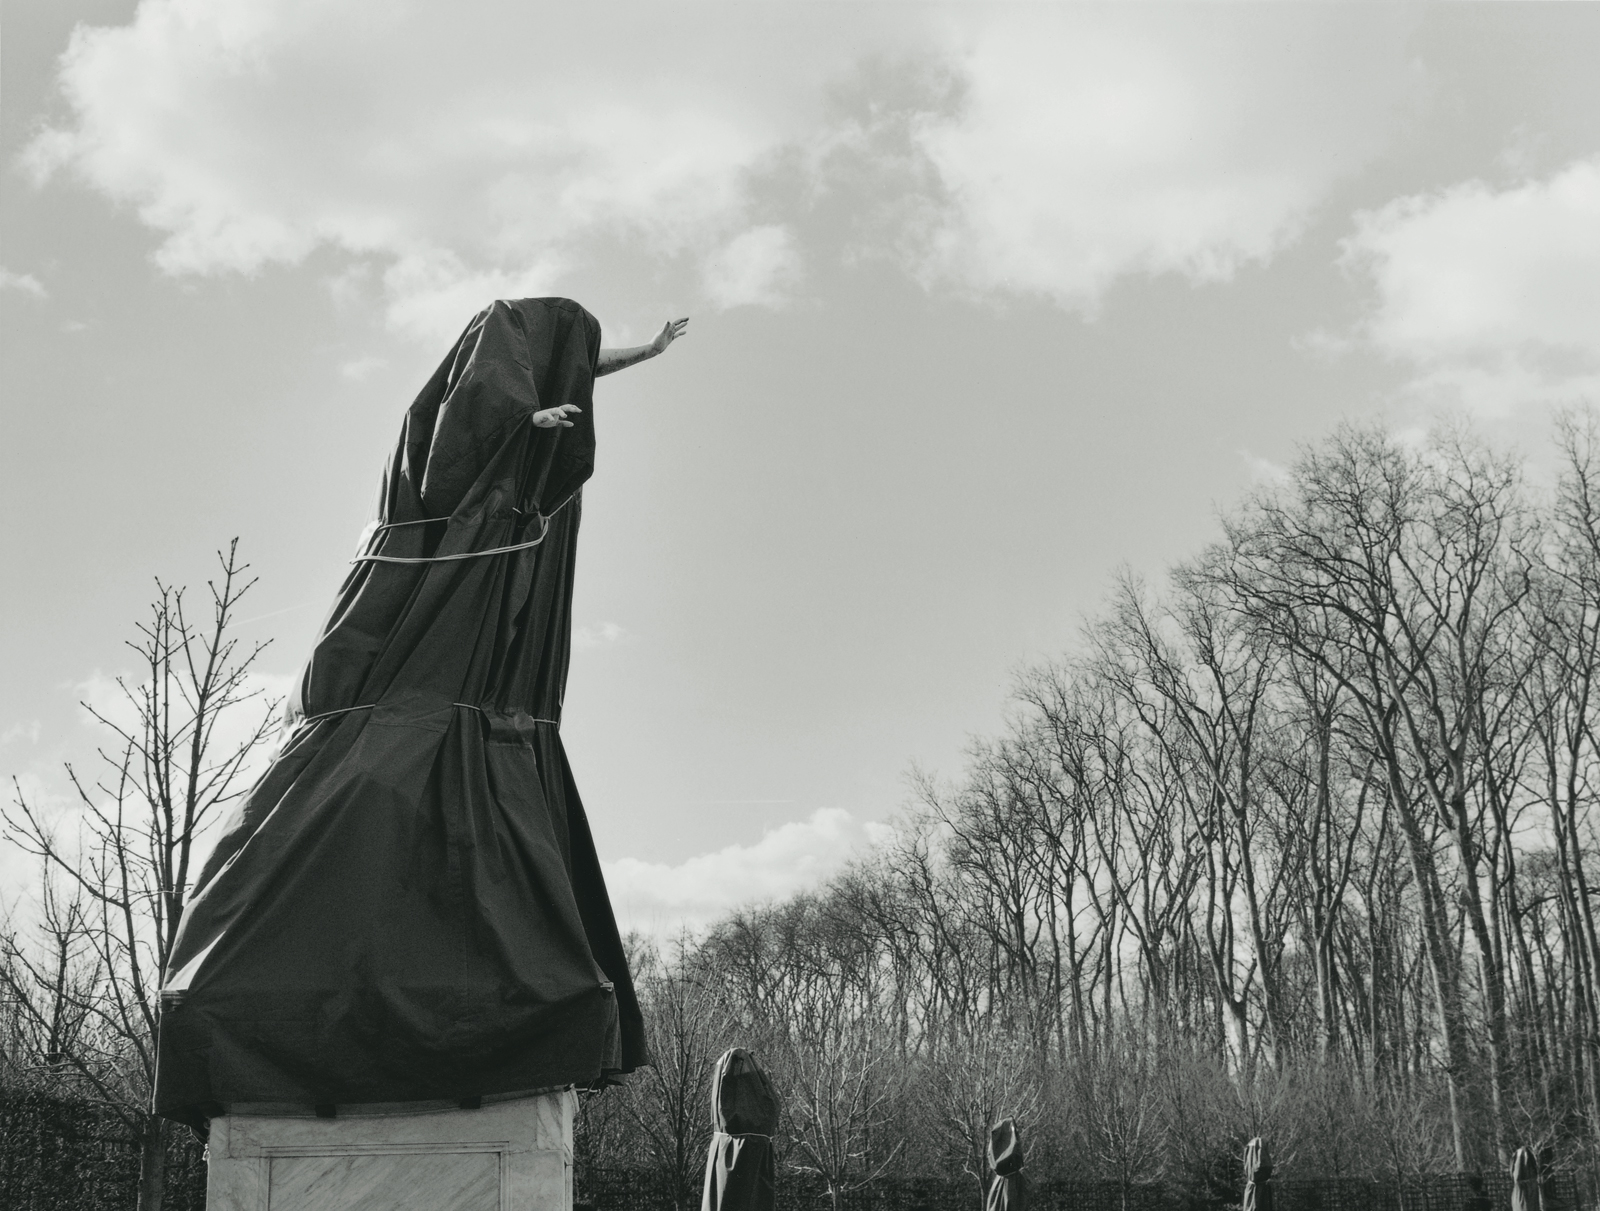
{"type": "Point", "coordinates": [506, 1156]}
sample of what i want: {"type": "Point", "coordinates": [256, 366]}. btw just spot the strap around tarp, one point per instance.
{"type": "Point", "coordinates": [367, 706]}
{"type": "Point", "coordinates": [544, 530]}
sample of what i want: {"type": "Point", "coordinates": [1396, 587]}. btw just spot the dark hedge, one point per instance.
{"type": "Point", "coordinates": [67, 1154]}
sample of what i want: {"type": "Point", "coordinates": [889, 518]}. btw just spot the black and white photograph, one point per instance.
{"type": "Point", "coordinates": [799, 605]}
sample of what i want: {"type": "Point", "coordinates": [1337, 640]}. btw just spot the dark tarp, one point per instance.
{"type": "Point", "coordinates": [740, 1169]}
{"type": "Point", "coordinates": [1525, 1194]}
{"type": "Point", "coordinates": [1257, 1177]}
{"type": "Point", "coordinates": [1006, 1190]}
{"type": "Point", "coordinates": [407, 906]}
{"type": "Point", "coordinates": [1549, 1198]}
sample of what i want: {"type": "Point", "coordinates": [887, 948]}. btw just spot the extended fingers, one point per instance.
{"type": "Point", "coordinates": [549, 418]}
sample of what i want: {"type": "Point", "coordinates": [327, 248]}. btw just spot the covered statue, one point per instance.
{"type": "Point", "coordinates": [1257, 1177]}
{"type": "Point", "coordinates": [1006, 1189]}
{"type": "Point", "coordinates": [408, 907]}
{"type": "Point", "coordinates": [740, 1169]}
{"type": "Point", "coordinates": [1525, 1187]}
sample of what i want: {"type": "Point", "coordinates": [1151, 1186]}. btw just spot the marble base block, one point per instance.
{"type": "Point", "coordinates": [506, 1156]}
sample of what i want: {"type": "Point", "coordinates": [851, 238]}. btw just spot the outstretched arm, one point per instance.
{"type": "Point", "coordinates": [612, 360]}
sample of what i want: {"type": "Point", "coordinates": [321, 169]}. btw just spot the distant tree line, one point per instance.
{"type": "Point", "coordinates": [1298, 842]}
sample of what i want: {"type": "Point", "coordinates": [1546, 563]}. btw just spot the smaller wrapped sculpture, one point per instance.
{"type": "Point", "coordinates": [740, 1172]}
{"type": "Point", "coordinates": [1006, 1191]}
{"type": "Point", "coordinates": [1525, 1194]}
{"type": "Point", "coordinates": [1257, 1177]}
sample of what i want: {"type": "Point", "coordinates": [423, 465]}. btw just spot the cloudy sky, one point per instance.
{"type": "Point", "coordinates": [988, 301]}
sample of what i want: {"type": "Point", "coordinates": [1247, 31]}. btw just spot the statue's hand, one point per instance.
{"type": "Point", "coordinates": [612, 360]}
{"type": "Point", "coordinates": [549, 418]}
{"type": "Point", "coordinates": [670, 331]}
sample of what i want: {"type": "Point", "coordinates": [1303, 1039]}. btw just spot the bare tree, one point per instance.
{"type": "Point", "coordinates": [994, 1076]}
{"type": "Point", "coordinates": [1402, 575]}
{"type": "Point", "coordinates": [1117, 1107]}
{"type": "Point", "coordinates": [48, 984]}
{"type": "Point", "coordinates": [669, 1103]}
{"type": "Point", "coordinates": [840, 1098]}
{"type": "Point", "coordinates": [1198, 684]}
{"type": "Point", "coordinates": [178, 747]}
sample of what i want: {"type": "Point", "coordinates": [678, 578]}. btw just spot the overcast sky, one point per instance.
{"type": "Point", "coordinates": [987, 302]}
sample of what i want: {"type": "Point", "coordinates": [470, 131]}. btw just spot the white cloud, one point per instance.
{"type": "Point", "coordinates": [29, 731]}
{"type": "Point", "coordinates": [1094, 142]}
{"type": "Point", "coordinates": [600, 635]}
{"type": "Point", "coordinates": [24, 283]}
{"type": "Point", "coordinates": [1493, 294]}
{"type": "Point", "coordinates": [359, 369]}
{"type": "Point", "coordinates": [756, 267]}
{"type": "Point", "coordinates": [471, 149]}
{"type": "Point", "coordinates": [1264, 470]}
{"type": "Point", "coordinates": [103, 694]}
{"type": "Point", "coordinates": [455, 153]}
{"type": "Point", "coordinates": [434, 293]}
{"type": "Point", "coordinates": [662, 899]}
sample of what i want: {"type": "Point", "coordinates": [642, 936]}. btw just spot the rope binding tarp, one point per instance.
{"type": "Point", "coordinates": [544, 529]}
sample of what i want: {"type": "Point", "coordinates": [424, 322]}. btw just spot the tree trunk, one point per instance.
{"type": "Point", "coordinates": [1492, 976]}
{"type": "Point", "coordinates": [153, 1164]}
{"type": "Point", "coordinates": [1442, 961]}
